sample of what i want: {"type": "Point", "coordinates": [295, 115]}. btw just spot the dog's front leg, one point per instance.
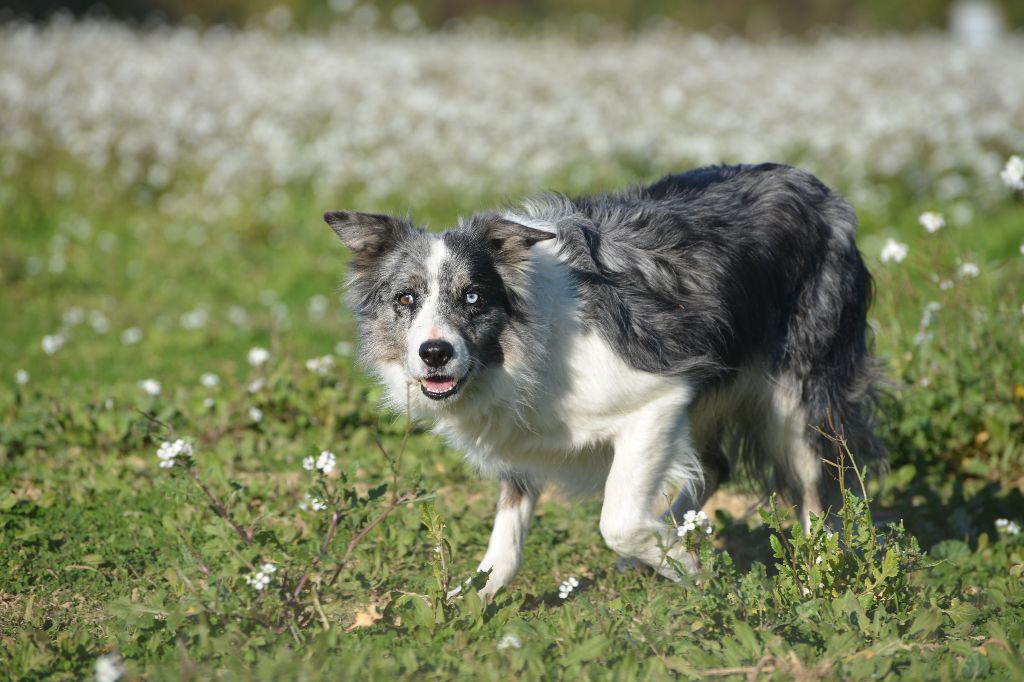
{"type": "Point", "coordinates": [505, 550]}
{"type": "Point", "coordinates": [652, 440]}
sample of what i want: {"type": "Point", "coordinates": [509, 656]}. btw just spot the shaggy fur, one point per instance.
{"type": "Point", "coordinates": [623, 342]}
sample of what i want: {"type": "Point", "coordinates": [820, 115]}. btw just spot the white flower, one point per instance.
{"type": "Point", "coordinates": [308, 463]}
{"type": "Point", "coordinates": [320, 366]}
{"type": "Point", "coordinates": [894, 251]}
{"type": "Point", "coordinates": [326, 461]}
{"type": "Point", "coordinates": [1013, 173]}
{"type": "Point", "coordinates": [946, 284]}
{"type": "Point", "coordinates": [312, 503]}
{"type": "Point", "coordinates": [932, 221]}
{"type": "Point", "coordinates": [73, 316]}
{"type": "Point", "coordinates": [928, 314]}
{"type": "Point", "coordinates": [209, 380]}
{"type": "Point", "coordinates": [108, 668]}
{"type": "Point", "coordinates": [209, 403]}
{"type": "Point", "coordinates": [52, 343]}
{"type": "Point", "coordinates": [692, 521]}
{"type": "Point", "coordinates": [261, 578]}
{"type": "Point", "coordinates": [150, 386]}
{"type": "Point", "coordinates": [509, 641]}
{"type": "Point", "coordinates": [131, 336]}
{"type": "Point", "coordinates": [256, 414]}
{"type": "Point", "coordinates": [256, 385]}
{"type": "Point", "coordinates": [806, 592]}
{"type": "Point", "coordinates": [1007, 527]}
{"type": "Point", "coordinates": [169, 452]}
{"type": "Point", "coordinates": [194, 319]}
{"type": "Point", "coordinates": [567, 586]}
{"type": "Point", "coordinates": [258, 356]}
{"type": "Point", "coordinates": [99, 322]}
{"type": "Point", "coordinates": [969, 270]}
{"type": "Point", "coordinates": [21, 377]}
{"type": "Point", "coordinates": [237, 316]}
{"type": "Point", "coordinates": [317, 306]}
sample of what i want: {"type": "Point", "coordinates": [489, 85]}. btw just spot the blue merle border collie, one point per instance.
{"type": "Point", "coordinates": [627, 342]}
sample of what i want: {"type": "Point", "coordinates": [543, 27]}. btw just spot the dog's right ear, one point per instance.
{"type": "Point", "coordinates": [367, 235]}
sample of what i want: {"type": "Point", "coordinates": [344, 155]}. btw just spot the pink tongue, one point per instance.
{"type": "Point", "coordinates": [439, 385]}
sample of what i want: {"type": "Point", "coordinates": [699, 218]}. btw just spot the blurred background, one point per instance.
{"type": "Point", "coordinates": [743, 17]}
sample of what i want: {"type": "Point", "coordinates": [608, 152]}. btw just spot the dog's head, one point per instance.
{"type": "Point", "coordinates": [435, 311]}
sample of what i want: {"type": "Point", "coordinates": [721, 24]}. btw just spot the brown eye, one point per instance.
{"type": "Point", "coordinates": [406, 299]}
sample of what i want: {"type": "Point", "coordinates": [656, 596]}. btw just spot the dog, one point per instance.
{"type": "Point", "coordinates": [625, 342]}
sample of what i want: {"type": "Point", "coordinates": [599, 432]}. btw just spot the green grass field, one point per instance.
{"type": "Point", "coordinates": [104, 285]}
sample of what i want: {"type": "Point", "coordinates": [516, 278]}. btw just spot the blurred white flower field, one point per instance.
{"type": "Point", "coordinates": [167, 288]}
{"type": "Point", "coordinates": [393, 116]}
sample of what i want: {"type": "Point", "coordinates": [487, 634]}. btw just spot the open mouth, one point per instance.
{"type": "Point", "coordinates": [439, 388]}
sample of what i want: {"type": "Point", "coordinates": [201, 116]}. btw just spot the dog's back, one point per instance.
{"type": "Point", "coordinates": [746, 280]}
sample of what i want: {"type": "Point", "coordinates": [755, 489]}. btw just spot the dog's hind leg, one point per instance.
{"type": "Point", "coordinates": [654, 441]}
{"type": "Point", "coordinates": [505, 550]}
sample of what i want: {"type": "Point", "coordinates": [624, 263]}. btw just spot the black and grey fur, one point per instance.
{"type": "Point", "coordinates": [706, 322]}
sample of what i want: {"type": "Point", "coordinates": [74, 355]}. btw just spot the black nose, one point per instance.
{"type": "Point", "coordinates": [436, 353]}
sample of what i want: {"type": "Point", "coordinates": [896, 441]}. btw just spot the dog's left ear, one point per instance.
{"type": "Point", "coordinates": [367, 235]}
{"type": "Point", "coordinates": [512, 240]}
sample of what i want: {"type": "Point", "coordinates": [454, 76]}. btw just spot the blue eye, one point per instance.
{"type": "Point", "coordinates": [472, 297]}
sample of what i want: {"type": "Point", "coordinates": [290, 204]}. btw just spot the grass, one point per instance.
{"type": "Point", "coordinates": [104, 551]}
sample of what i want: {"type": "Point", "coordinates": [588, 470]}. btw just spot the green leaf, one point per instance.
{"type": "Point", "coordinates": [586, 651]}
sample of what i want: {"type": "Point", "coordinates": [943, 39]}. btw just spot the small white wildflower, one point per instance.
{"type": "Point", "coordinates": [73, 316]}
{"type": "Point", "coordinates": [237, 316]}
{"type": "Point", "coordinates": [108, 668]}
{"type": "Point", "coordinates": [819, 560]}
{"type": "Point", "coordinates": [150, 386]}
{"type": "Point", "coordinates": [259, 579]}
{"type": "Point", "coordinates": [99, 322]}
{"type": "Point", "coordinates": [692, 521]}
{"type": "Point", "coordinates": [317, 306]}
{"type": "Point", "coordinates": [208, 403]}
{"type": "Point", "coordinates": [1007, 527]}
{"type": "Point", "coordinates": [894, 251]}
{"type": "Point", "coordinates": [194, 319]}
{"type": "Point", "coordinates": [256, 414]}
{"type": "Point", "coordinates": [509, 641]}
{"type": "Point", "coordinates": [268, 568]}
{"type": "Point", "coordinates": [567, 586]}
{"type": "Point", "coordinates": [209, 380]}
{"type": "Point", "coordinates": [806, 591]}
{"type": "Point", "coordinates": [320, 366]}
{"type": "Point", "coordinates": [932, 221]}
{"type": "Point", "coordinates": [969, 270]}
{"type": "Point", "coordinates": [52, 343]}
{"type": "Point", "coordinates": [946, 284]}
{"type": "Point", "coordinates": [1013, 173]}
{"type": "Point", "coordinates": [308, 463]}
{"type": "Point", "coordinates": [258, 356]}
{"type": "Point", "coordinates": [169, 452]}
{"type": "Point", "coordinates": [131, 336]}
{"type": "Point", "coordinates": [21, 377]}
{"type": "Point", "coordinates": [928, 313]}
{"type": "Point", "coordinates": [326, 461]}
